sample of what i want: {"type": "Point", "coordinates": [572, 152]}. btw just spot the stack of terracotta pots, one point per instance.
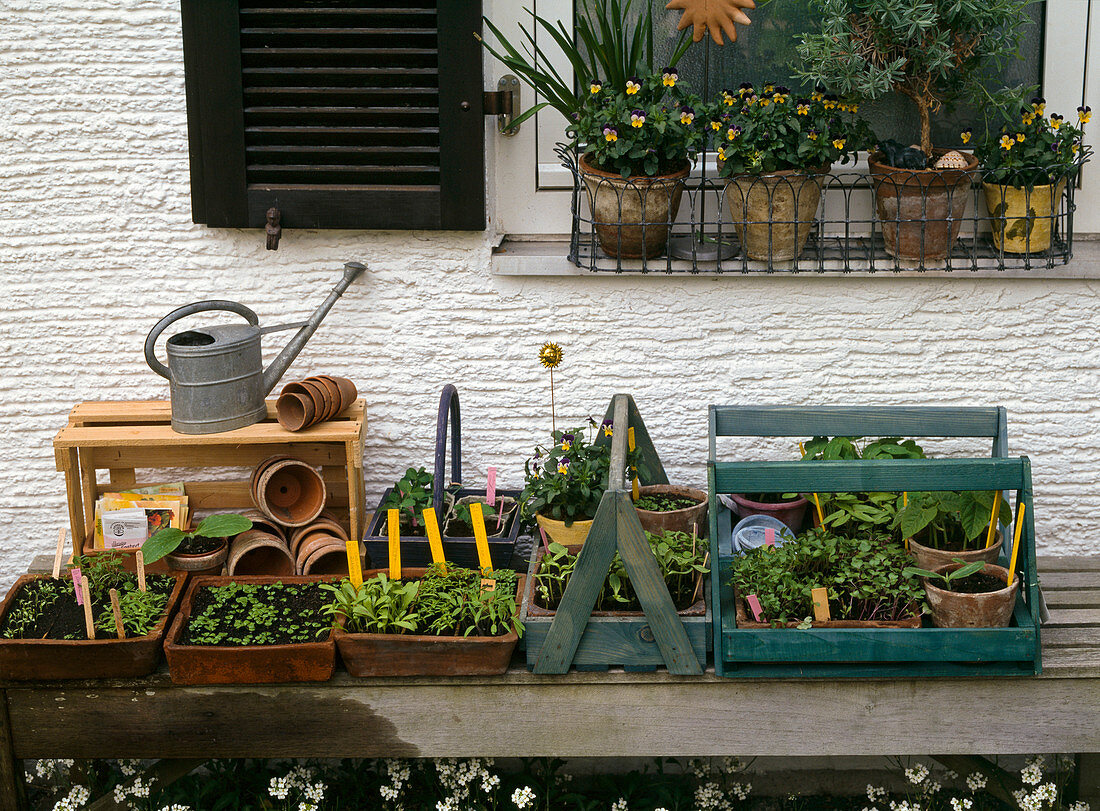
{"type": "Point", "coordinates": [288, 491]}
{"type": "Point", "coordinates": [313, 400]}
{"type": "Point", "coordinates": [320, 548]}
{"type": "Point", "coordinates": [260, 550]}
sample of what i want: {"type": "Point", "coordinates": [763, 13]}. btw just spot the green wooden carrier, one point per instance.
{"type": "Point", "coordinates": [575, 638]}
{"type": "Point", "coordinates": [871, 652]}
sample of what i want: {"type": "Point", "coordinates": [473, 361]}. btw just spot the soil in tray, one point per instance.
{"type": "Point", "coordinates": [664, 504]}
{"type": "Point", "coordinates": [57, 615]}
{"type": "Point", "coordinates": [977, 583]}
{"type": "Point", "coordinates": [257, 614]}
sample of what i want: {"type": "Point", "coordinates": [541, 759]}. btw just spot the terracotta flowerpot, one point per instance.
{"type": "Point", "coordinates": [258, 552]}
{"type": "Point", "coordinates": [245, 664]}
{"type": "Point", "coordinates": [313, 543]}
{"type": "Point", "coordinates": [675, 520]}
{"type": "Point", "coordinates": [920, 210]}
{"type": "Point", "coordinates": [416, 655]}
{"type": "Point", "coordinates": [345, 389]}
{"type": "Point", "coordinates": [791, 513]}
{"type": "Point", "coordinates": [991, 609]}
{"type": "Point", "coordinates": [331, 393]}
{"type": "Point", "coordinates": [632, 216]}
{"type": "Point", "coordinates": [1022, 218]}
{"type": "Point", "coordinates": [557, 532]}
{"type": "Point", "coordinates": [289, 491]}
{"type": "Point", "coordinates": [931, 559]}
{"type": "Point", "coordinates": [330, 559]}
{"type": "Point", "coordinates": [203, 563]}
{"type": "Point", "coordinates": [294, 411]}
{"type": "Point", "coordinates": [262, 522]}
{"type": "Point", "coordinates": [322, 524]}
{"type": "Point", "coordinates": [106, 657]}
{"type": "Point", "coordinates": [310, 392]}
{"type": "Point", "coordinates": [774, 214]}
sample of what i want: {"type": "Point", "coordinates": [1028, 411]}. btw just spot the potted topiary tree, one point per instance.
{"type": "Point", "coordinates": [932, 52]}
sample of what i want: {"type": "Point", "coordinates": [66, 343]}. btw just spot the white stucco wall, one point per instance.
{"type": "Point", "coordinates": [96, 243]}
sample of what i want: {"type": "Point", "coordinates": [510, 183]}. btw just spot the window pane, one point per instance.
{"type": "Point", "coordinates": [764, 51]}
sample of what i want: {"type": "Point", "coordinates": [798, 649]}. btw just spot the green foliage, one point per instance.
{"type": "Point", "coordinates": [411, 495]}
{"type": "Point", "coordinates": [36, 596]}
{"type": "Point", "coordinates": [1034, 150]}
{"type": "Point", "coordinates": [769, 131]}
{"type": "Point", "coordinates": [258, 614]}
{"type": "Point", "coordinates": [605, 50]}
{"type": "Point", "coordinates": [378, 606]}
{"type": "Point", "coordinates": [141, 610]}
{"type": "Point", "coordinates": [932, 51]}
{"type": "Point", "coordinates": [956, 520]}
{"type": "Point", "coordinates": [964, 571]}
{"type": "Point", "coordinates": [461, 512]}
{"type": "Point", "coordinates": [104, 572]}
{"type": "Point", "coordinates": [167, 540]}
{"type": "Point", "coordinates": [567, 480]}
{"type": "Point", "coordinates": [866, 578]}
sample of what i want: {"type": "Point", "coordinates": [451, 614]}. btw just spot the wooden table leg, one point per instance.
{"type": "Point", "coordinates": [12, 796]}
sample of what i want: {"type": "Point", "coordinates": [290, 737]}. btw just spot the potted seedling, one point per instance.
{"type": "Point", "coordinates": [44, 633]}
{"type": "Point", "coordinates": [439, 621]}
{"type": "Point", "coordinates": [969, 595]}
{"type": "Point", "coordinates": [203, 550]}
{"type": "Point", "coordinates": [946, 526]}
{"type": "Point", "coordinates": [497, 519]}
{"type": "Point", "coordinates": [251, 629]}
{"type": "Point", "coordinates": [672, 507]}
{"type": "Point", "coordinates": [933, 53]}
{"type": "Point", "coordinates": [410, 496]}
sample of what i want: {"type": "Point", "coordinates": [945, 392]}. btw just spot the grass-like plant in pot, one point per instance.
{"type": "Point", "coordinates": [947, 526]}
{"type": "Point", "coordinates": [775, 148]}
{"type": "Point", "coordinates": [969, 595]}
{"type": "Point", "coordinates": [1025, 168]}
{"type": "Point", "coordinates": [203, 548]}
{"type": "Point", "coordinates": [934, 53]}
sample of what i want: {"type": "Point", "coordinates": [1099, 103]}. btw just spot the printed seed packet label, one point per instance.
{"type": "Point", "coordinates": [755, 607]}
{"type": "Point", "coordinates": [125, 529]}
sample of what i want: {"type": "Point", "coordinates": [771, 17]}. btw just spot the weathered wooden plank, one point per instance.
{"type": "Point", "coordinates": [1071, 598]}
{"type": "Point", "coordinates": [157, 435]}
{"type": "Point", "coordinates": [917, 421]}
{"type": "Point", "coordinates": [617, 641]}
{"type": "Point", "coordinates": [1068, 580]}
{"type": "Point", "coordinates": [160, 456]}
{"type": "Point", "coordinates": [1071, 637]}
{"type": "Point", "coordinates": [1081, 661]}
{"type": "Point", "coordinates": [586, 715]}
{"type": "Point", "coordinates": [11, 770]}
{"type": "Point", "coordinates": [123, 412]}
{"type": "Point", "coordinates": [1070, 563]}
{"type": "Point", "coordinates": [1078, 617]}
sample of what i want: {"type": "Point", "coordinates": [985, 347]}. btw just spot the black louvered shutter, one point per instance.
{"type": "Point", "coordinates": [341, 113]}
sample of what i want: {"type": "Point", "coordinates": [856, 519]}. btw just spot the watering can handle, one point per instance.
{"type": "Point", "coordinates": [448, 404]}
{"type": "Point", "coordinates": [183, 312]}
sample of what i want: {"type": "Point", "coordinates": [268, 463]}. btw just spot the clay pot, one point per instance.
{"type": "Point", "coordinates": [257, 471]}
{"type": "Point", "coordinates": [294, 411]}
{"type": "Point", "coordinates": [920, 210]}
{"type": "Point", "coordinates": [773, 214]}
{"type": "Point", "coordinates": [313, 543]}
{"type": "Point", "coordinates": [313, 392]}
{"type": "Point", "coordinates": [632, 216]}
{"type": "Point", "coordinates": [257, 552]}
{"type": "Point", "coordinates": [1022, 217]}
{"type": "Point", "coordinates": [348, 392]}
{"type": "Point", "coordinates": [322, 524]}
{"type": "Point", "coordinates": [330, 559]}
{"type": "Point", "coordinates": [676, 520]}
{"type": "Point", "coordinates": [263, 523]}
{"type": "Point", "coordinates": [790, 513]}
{"type": "Point", "coordinates": [201, 564]}
{"type": "Point", "coordinates": [991, 609]}
{"type": "Point", "coordinates": [931, 559]}
{"type": "Point", "coordinates": [332, 396]}
{"type": "Point", "coordinates": [289, 491]}
{"type": "Point", "coordinates": [557, 532]}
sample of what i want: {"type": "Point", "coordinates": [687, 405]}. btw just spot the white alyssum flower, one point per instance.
{"type": "Point", "coordinates": [876, 793]}
{"type": "Point", "coordinates": [1031, 774]}
{"type": "Point", "coordinates": [49, 768]}
{"type": "Point", "coordinates": [975, 781]}
{"type": "Point", "coordinates": [619, 805]}
{"type": "Point", "coordinates": [916, 774]}
{"type": "Point", "coordinates": [710, 797]}
{"type": "Point", "coordinates": [176, 807]}
{"type": "Point", "coordinates": [932, 787]}
{"type": "Point", "coordinates": [523, 797]}
{"type": "Point", "coordinates": [961, 805]}
{"type": "Point", "coordinates": [904, 805]}
{"type": "Point", "coordinates": [278, 788]}
{"type": "Point", "coordinates": [741, 790]}
{"type": "Point", "coordinates": [76, 799]}
{"type": "Point", "coordinates": [129, 767]}
{"type": "Point", "coordinates": [489, 783]}
{"type": "Point", "coordinates": [1080, 805]}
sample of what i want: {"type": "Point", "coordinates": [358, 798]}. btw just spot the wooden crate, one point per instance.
{"type": "Point", "coordinates": [123, 437]}
{"type": "Point", "coordinates": [927, 651]}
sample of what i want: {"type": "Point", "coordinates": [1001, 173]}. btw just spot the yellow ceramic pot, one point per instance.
{"type": "Point", "coordinates": [1022, 218]}
{"type": "Point", "coordinates": [558, 532]}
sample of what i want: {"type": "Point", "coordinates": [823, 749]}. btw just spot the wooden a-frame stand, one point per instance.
{"type": "Point", "coordinates": [616, 527]}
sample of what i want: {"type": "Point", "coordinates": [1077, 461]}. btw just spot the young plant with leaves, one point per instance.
{"type": "Point", "coordinates": [167, 540]}
{"type": "Point", "coordinates": [1033, 149]}
{"type": "Point", "coordinates": [566, 480]}
{"type": "Point", "coordinates": [140, 610]}
{"type": "Point", "coordinates": [950, 520]}
{"type": "Point", "coordinates": [950, 578]}
{"type": "Point", "coordinates": [410, 496]}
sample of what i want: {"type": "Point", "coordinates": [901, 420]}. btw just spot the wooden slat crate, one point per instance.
{"type": "Point", "coordinates": [123, 437]}
{"type": "Point", "coordinates": [927, 651]}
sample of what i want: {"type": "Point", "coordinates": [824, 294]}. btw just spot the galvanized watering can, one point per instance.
{"type": "Point", "coordinates": [216, 374]}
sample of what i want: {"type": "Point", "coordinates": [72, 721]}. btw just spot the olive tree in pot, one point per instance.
{"type": "Point", "coordinates": [934, 53]}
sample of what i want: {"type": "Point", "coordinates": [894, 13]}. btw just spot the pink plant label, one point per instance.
{"type": "Point", "coordinates": [76, 585]}
{"type": "Point", "coordinates": [491, 488]}
{"type": "Point", "coordinates": [545, 542]}
{"type": "Point", "coordinates": [769, 536]}
{"type": "Point", "coordinates": [755, 607]}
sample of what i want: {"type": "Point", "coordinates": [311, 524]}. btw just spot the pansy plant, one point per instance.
{"type": "Point", "coordinates": [1034, 149]}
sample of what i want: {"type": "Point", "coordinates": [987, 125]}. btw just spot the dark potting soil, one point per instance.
{"type": "Point", "coordinates": [198, 545]}
{"type": "Point", "coordinates": [58, 615]}
{"type": "Point", "coordinates": [770, 498]}
{"type": "Point", "coordinates": [977, 583]}
{"type": "Point", "coordinates": [257, 614]}
{"type": "Point", "coordinates": [665, 504]}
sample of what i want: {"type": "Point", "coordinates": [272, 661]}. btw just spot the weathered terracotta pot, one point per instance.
{"type": "Point", "coordinates": [556, 531]}
{"type": "Point", "coordinates": [294, 411]}
{"type": "Point", "coordinates": [263, 523]}
{"type": "Point", "coordinates": [289, 491]}
{"type": "Point", "coordinates": [931, 559]}
{"type": "Point", "coordinates": [346, 391]}
{"type": "Point", "coordinates": [245, 664]}
{"type": "Point", "coordinates": [330, 559]}
{"type": "Point", "coordinates": [324, 525]}
{"type": "Point", "coordinates": [258, 552]}
{"type": "Point", "coordinates": [675, 520]}
{"type": "Point", "coordinates": [632, 216]}
{"type": "Point", "coordinates": [1022, 218]}
{"type": "Point", "coordinates": [332, 396]}
{"type": "Point", "coordinates": [103, 658]}
{"type": "Point", "coordinates": [414, 655]}
{"type": "Point", "coordinates": [992, 609]}
{"type": "Point", "coordinates": [920, 210]}
{"type": "Point", "coordinates": [774, 214]}
{"type": "Point", "coordinates": [199, 564]}
{"type": "Point", "coordinates": [791, 513]}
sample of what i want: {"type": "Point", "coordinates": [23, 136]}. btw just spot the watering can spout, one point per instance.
{"type": "Point", "coordinates": [278, 367]}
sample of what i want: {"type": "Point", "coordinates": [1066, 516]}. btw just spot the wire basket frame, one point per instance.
{"type": "Point", "coordinates": [826, 221]}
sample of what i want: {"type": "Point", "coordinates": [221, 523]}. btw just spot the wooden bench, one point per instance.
{"type": "Point", "coordinates": [611, 714]}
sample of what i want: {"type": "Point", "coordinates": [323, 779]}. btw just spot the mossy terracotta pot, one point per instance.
{"type": "Point", "coordinates": [773, 214]}
{"type": "Point", "coordinates": [632, 216]}
{"type": "Point", "coordinates": [931, 559]}
{"type": "Point", "coordinates": [991, 609]}
{"type": "Point", "coordinates": [556, 531]}
{"type": "Point", "coordinates": [1022, 218]}
{"type": "Point", "coordinates": [684, 520]}
{"type": "Point", "coordinates": [791, 513]}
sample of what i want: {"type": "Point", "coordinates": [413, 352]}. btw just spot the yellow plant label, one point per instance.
{"type": "Point", "coordinates": [393, 524]}
{"type": "Point", "coordinates": [431, 524]}
{"type": "Point", "coordinates": [355, 565]}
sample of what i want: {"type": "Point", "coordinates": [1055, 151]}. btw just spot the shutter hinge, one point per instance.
{"type": "Point", "coordinates": [503, 103]}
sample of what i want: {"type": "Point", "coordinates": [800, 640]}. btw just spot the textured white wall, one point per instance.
{"type": "Point", "coordinates": [96, 243]}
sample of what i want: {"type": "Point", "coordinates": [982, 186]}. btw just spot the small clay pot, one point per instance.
{"type": "Point", "coordinates": [790, 513]}
{"type": "Point", "coordinates": [330, 559]}
{"type": "Point", "coordinates": [348, 392]}
{"type": "Point", "coordinates": [332, 396]}
{"type": "Point", "coordinates": [313, 544]}
{"type": "Point", "coordinates": [320, 399]}
{"type": "Point", "coordinates": [204, 563]}
{"type": "Point", "coordinates": [322, 524]}
{"type": "Point", "coordinates": [257, 552]}
{"type": "Point", "coordinates": [294, 411]}
{"type": "Point", "coordinates": [932, 559]}
{"type": "Point", "coordinates": [990, 609]}
{"type": "Point", "coordinates": [263, 523]}
{"type": "Point", "coordinates": [675, 520]}
{"type": "Point", "coordinates": [257, 471]}
{"type": "Point", "coordinates": [291, 492]}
